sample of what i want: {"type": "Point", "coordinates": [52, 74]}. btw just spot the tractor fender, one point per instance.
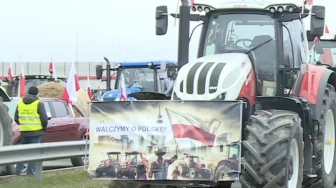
{"type": "Point", "coordinates": [320, 77]}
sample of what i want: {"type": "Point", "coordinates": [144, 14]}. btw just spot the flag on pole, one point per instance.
{"type": "Point", "coordinates": [123, 96]}
{"type": "Point", "coordinates": [188, 126]}
{"type": "Point", "coordinates": [309, 2]}
{"type": "Point", "coordinates": [327, 30]}
{"type": "Point", "coordinates": [52, 70]}
{"type": "Point", "coordinates": [10, 71]}
{"type": "Point", "coordinates": [22, 82]}
{"type": "Point", "coordinates": [88, 88]}
{"type": "Point", "coordinates": [72, 86]}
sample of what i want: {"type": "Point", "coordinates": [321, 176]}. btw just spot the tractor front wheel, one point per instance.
{"type": "Point", "coordinates": [325, 145]}
{"type": "Point", "coordinates": [273, 150]}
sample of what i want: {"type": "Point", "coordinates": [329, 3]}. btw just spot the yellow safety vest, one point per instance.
{"type": "Point", "coordinates": [28, 116]}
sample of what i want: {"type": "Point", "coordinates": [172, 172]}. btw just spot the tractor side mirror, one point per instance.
{"type": "Point", "coordinates": [49, 115]}
{"type": "Point", "coordinates": [317, 20]}
{"type": "Point", "coordinates": [99, 72]}
{"type": "Point", "coordinates": [161, 16]}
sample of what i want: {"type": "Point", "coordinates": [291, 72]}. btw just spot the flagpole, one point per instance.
{"type": "Point", "coordinates": [171, 125]}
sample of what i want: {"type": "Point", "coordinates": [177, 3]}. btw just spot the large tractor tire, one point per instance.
{"type": "Point", "coordinates": [6, 135]}
{"type": "Point", "coordinates": [273, 150]}
{"type": "Point", "coordinates": [325, 145]}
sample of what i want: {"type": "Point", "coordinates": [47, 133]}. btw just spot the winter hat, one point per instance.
{"type": "Point", "coordinates": [33, 90]}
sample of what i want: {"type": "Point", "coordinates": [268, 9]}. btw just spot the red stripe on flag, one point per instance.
{"type": "Point", "coordinates": [193, 132]}
{"type": "Point", "coordinates": [22, 83]}
{"type": "Point", "coordinates": [309, 2]}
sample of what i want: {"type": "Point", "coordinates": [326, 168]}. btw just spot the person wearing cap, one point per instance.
{"type": "Point", "coordinates": [32, 118]}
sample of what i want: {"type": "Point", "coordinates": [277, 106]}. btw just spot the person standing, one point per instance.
{"type": "Point", "coordinates": [32, 118]}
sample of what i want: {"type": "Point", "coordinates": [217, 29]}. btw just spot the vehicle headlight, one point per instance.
{"type": "Point", "coordinates": [231, 78]}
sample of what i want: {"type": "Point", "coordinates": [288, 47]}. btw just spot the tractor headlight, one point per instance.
{"type": "Point", "coordinates": [231, 78]}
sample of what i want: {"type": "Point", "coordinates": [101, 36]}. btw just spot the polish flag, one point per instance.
{"type": "Point", "coordinates": [10, 71]}
{"type": "Point", "coordinates": [52, 70]}
{"type": "Point", "coordinates": [327, 56]}
{"type": "Point", "coordinates": [22, 82]}
{"type": "Point", "coordinates": [188, 126]}
{"type": "Point", "coordinates": [72, 86]}
{"type": "Point", "coordinates": [123, 96]}
{"type": "Point", "coordinates": [88, 88]}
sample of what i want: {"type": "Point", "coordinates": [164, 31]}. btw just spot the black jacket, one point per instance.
{"type": "Point", "coordinates": [40, 109]}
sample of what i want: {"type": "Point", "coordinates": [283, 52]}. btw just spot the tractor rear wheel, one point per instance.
{"type": "Point", "coordinates": [273, 150]}
{"type": "Point", "coordinates": [325, 145]}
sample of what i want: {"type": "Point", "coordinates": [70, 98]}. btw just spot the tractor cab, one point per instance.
{"type": "Point", "coordinates": [131, 159]}
{"type": "Point", "coordinates": [31, 80]}
{"type": "Point", "coordinates": [323, 49]}
{"type": "Point", "coordinates": [246, 49]}
{"type": "Point", "coordinates": [139, 77]}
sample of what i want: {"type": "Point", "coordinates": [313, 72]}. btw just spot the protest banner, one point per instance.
{"type": "Point", "coordinates": [165, 140]}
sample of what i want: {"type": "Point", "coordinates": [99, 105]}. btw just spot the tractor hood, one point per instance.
{"type": "Point", "coordinates": [115, 94]}
{"type": "Point", "coordinates": [209, 77]}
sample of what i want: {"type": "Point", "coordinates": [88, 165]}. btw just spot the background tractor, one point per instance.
{"type": "Point", "coordinates": [133, 162]}
{"type": "Point", "coordinates": [110, 166]}
{"type": "Point", "coordinates": [230, 166]}
{"type": "Point", "coordinates": [13, 86]}
{"type": "Point", "coordinates": [194, 168]}
{"type": "Point", "coordinates": [257, 52]}
{"type": "Point", "coordinates": [140, 77]}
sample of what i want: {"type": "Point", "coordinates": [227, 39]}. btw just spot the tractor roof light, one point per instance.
{"type": "Point", "coordinates": [290, 9]}
{"type": "Point", "coordinates": [193, 9]}
{"type": "Point", "coordinates": [280, 9]}
{"type": "Point", "coordinates": [118, 65]}
{"type": "Point", "coordinates": [150, 64]}
{"type": "Point", "coordinates": [200, 9]}
{"type": "Point", "coordinates": [272, 9]}
{"type": "Point", "coordinates": [207, 9]}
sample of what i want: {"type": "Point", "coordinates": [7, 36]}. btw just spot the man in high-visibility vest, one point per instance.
{"type": "Point", "coordinates": [32, 118]}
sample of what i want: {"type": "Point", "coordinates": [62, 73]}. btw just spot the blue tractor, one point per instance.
{"type": "Point", "coordinates": [148, 77]}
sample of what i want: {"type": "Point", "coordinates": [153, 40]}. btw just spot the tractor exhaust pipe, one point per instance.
{"type": "Point", "coordinates": [184, 29]}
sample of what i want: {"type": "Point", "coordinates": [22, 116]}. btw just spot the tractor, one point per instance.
{"type": "Point", "coordinates": [13, 86]}
{"type": "Point", "coordinates": [193, 167]}
{"type": "Point", "coordinates": [229, 166]}
{"type": "Point", "coordinates": [134, 165]}
{"type": "Point", "coordinates": [139, 77]}
{"type": "Point", "coordinates": [110, 166]}
{"type": "Point", "coordinates": [256, 51]}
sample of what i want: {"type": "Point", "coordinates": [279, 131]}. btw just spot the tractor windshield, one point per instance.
{"type": "Point", "coordinates": [324, 51]}
{"type": "Point", "coordinates": [142, 78]}
{"type": "Point", "coordinates": [237, 32]}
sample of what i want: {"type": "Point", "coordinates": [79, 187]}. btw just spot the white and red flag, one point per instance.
{"type": "Point", "coordinates": [123, 96]}
{"type": "Point", "coordinates": [22, 82]}
{"type": "Point", "coordinates": [327, 56]}
{"type": "Point", "coordinates": [88, 88]}
{"type": "Point", "coordinates": [52, 70]}
{"type": "Point", "coordinates": [72, 86]}
{"type": "Point", "coordinates": [188, 126]}
{"type": "Point", "coordinates": [10, 71]}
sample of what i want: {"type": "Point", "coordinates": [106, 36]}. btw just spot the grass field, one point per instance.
{"type": "Point", "coordinates": [76, 178]}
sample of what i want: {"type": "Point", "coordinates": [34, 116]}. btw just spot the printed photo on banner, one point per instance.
{"type": "Point", "coordinates": [165, 140]}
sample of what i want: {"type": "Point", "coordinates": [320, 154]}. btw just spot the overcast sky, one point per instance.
{"type": "Point", "coordinates": [38, 30]}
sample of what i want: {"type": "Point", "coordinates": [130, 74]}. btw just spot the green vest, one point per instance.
{"type": "Point", "coordinates": [29, 118]}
